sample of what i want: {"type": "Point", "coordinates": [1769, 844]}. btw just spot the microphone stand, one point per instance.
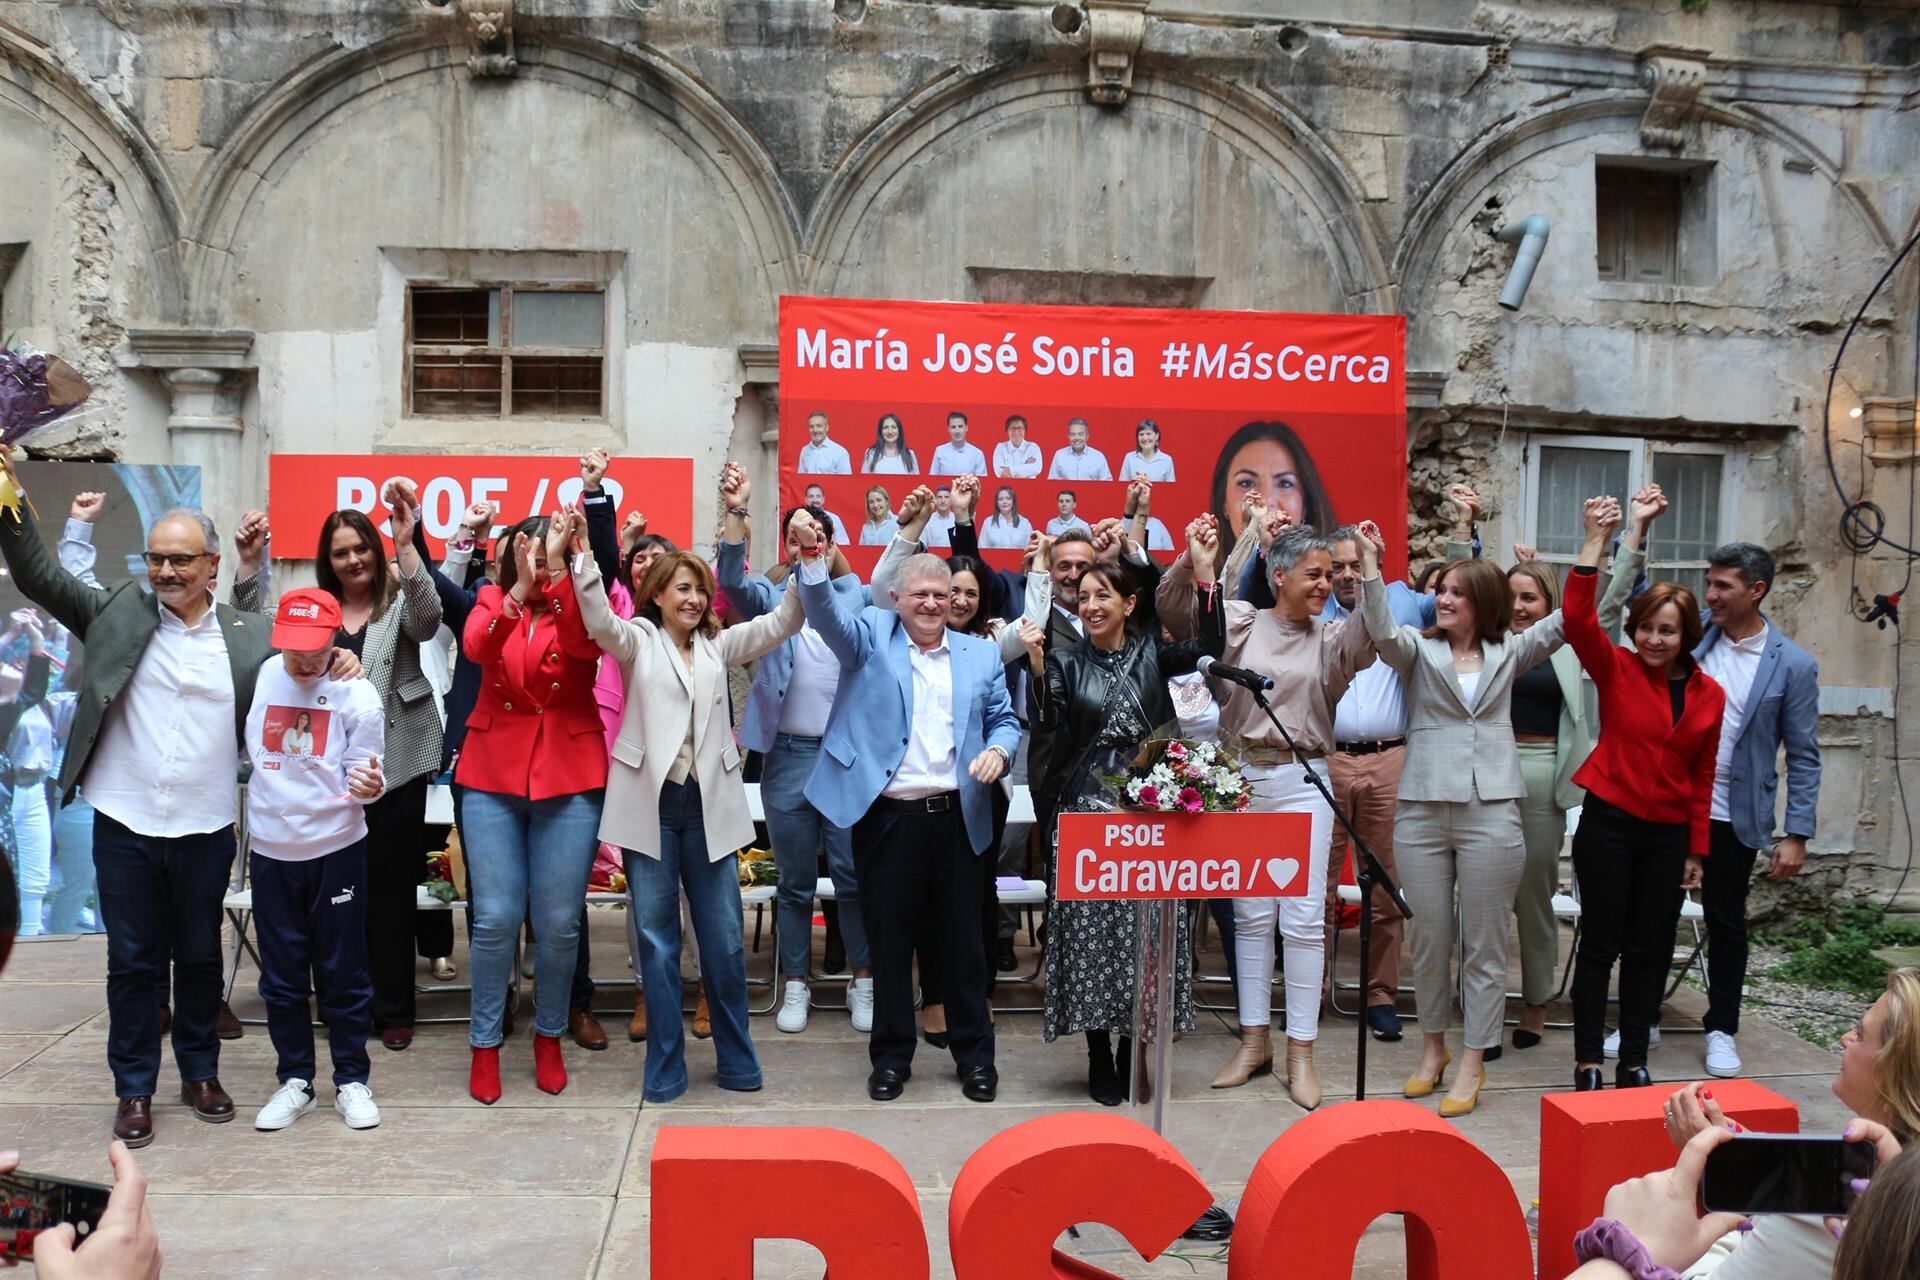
{"type": "Point", "coordinates": [1368, 875]}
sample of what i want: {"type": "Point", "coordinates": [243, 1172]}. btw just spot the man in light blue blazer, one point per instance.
{"type": "Point", "coordinates": [1773, 701]}
{"type": "Point", "coordinates": [921, 728]}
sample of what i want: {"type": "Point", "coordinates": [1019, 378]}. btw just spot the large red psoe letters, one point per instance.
{"type": "Point", "coordinates": [1308, 1201]}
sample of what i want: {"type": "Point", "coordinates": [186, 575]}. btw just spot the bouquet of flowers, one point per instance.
{"type": "Point", "coordinates": [36, 391]}
{"type": "Point", "coordinates": [439, 881]}
{"type": "Point", "coordinates": [1179, 775]}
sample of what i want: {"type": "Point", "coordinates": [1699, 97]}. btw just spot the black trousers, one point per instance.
{"type": "Point", "coordinates": [396, 863]}
{"type": "Point", "coordinates": [311, 916]}
{"type": "Point", "coordinates": [160, 898]}
{"type": "Point", "coordinates": [1629, 872]}
{"type": "Point", "coordinates": [1724, 882]}
{"type": "Point", "coordinates": [920, 878]}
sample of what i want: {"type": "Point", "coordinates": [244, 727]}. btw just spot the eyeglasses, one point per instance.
{"type": "Point", "coordinates": [180, 563]}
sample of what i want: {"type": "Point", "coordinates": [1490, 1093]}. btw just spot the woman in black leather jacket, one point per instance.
{"type": "Point", "coordinates": [1109, 694]}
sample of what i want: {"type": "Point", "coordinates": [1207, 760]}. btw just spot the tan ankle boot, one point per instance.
{"type": "Point", "coordinates": [637, 1025]}
{"type": "Point", "coordinates": [702, 1019]}
{"type": "Point", "coordinates": [1302, 1086]}
{"type": "Point", "coordinates": [1254, 1057]}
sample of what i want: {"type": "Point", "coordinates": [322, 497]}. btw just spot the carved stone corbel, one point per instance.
{"type": "Point", "coordinates": [489, 37]}
{"type": "Point", "coordinates": [1114, 31]}
{"type": "Point", "coordinates": [1675, 79]}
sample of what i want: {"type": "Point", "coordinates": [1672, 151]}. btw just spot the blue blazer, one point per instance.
{"type": "Point", "coordinates": [872, 719]}
{"type": "Point", "coordinates": [749, 596]}
{"type": "Point", "coordinates": [1783, 709]}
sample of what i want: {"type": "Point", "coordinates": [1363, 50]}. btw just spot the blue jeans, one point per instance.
{"type": "Point", "coordinates": [530, 860]}
{"type": "Point", "coordinates": [713, 892]}
{"type": "Point", "coordinates": [799, 834]}
{"type": "Point", "coordinates": [159, 897]}
{"type": "Point", "coordinates": [311, 920]}
{"type": "Point", "coordinates": [73, 858]}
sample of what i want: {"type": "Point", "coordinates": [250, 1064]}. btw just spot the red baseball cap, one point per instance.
{"type": "Point", "coordinates": [306, 620]}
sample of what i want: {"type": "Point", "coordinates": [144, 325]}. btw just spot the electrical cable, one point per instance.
{"type": "Point", "coordinates": [1863, 526]}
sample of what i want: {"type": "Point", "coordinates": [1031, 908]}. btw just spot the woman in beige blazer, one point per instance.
{"type": "Point", "coordinates": [1458, 817]}
{"type": "Point", "coordinates": [675, 801]}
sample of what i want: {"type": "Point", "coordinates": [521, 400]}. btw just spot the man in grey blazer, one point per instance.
{"type": "Point", "coordinates": [1773, 702]}
{"type": "Point", "coordinates": [157, 739]}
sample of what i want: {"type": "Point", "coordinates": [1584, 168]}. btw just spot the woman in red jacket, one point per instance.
{"type": "Point", "coordinates": [532, 771]}
{"type": "Point", "coordinates": [1643, 829]}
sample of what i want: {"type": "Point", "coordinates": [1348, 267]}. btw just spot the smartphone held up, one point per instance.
{"type": "Point", "coordinates": [1784, 1173]}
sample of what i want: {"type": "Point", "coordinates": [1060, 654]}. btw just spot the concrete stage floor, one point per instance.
{"type": "Point", "coordinates": [558, 1186]}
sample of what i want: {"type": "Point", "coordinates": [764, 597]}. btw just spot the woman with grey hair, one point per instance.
{"type": "Point", "coordinates": [1311, 663]}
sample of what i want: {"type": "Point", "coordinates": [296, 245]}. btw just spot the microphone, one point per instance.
{"type": "Point", "coordinates": [1238, 675]}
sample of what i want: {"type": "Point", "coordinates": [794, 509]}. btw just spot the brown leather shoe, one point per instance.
{"type": "Point", "coordinates": [227, 1025]}
{"type": "Point", "coordinates": [397, 1038]}
{"type": "Point", "coordinates": [166, 1020]}
{"type": "Point", "coordinates": [133, 1122]}
{"type": "Point", "coordinates": [586, 1029]}
{"type": "Point", "coordinates": [637, 1025]}
{"type": "Point", "coordinates": [702, 1017]}
{"type": "Point", "coordinates": [208, 1100]}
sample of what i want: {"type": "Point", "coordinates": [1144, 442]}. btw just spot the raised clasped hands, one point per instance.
{"type": "Point", "coordinates": [1600, 516]}
{"type": "Point", "coordinates": [1373, 547]}
{"type": "Point", "coordinates": [735, 488]}
{"type": "Point", "coordinates": [805, 531]}
{"type": "Point", "coordinates": [593, 469]}
{"type": "Point", "coordinates": [1647, 505]}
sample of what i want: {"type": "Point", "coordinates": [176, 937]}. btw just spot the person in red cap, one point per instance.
{"type": "Point", "coordinates": [315, 743]}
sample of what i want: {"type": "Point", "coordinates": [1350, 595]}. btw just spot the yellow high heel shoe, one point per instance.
{"type": "Point", "coordinates": [1418, 1088]}
{"type": "Point", "coordinates": [1449, 1109]}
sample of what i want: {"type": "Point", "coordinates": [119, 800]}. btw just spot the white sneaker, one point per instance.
{"type": "Point", "coordinates": [1723, 1056]}
{"type": "Point", "coordinates": [860, 1004]}
{"type": "Point", "coordinates": [1613, 1041]}
{"type": "Point", "coordinates": [288, 1103]}
{"type": "Point", "coordinates": [794, 1008]}
{"type": "Point", "coordinates": [354, 1102]}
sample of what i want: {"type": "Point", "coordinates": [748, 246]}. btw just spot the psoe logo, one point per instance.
{"type": "Point", "coordinates": [339, 898]}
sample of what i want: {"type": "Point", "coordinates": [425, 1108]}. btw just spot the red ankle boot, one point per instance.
{"type": "Point", "coordinates": [483, 1078]}
{"type": "Point", "coordinates": [549, 1072]}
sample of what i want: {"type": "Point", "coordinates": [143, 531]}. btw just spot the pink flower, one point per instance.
{"type": "Point", "coordinates": [1243, 802]}
{"type": "Point", "coordinates": [1190, 800]}
{"type": "Point", "coordinates": [1150, 795]}
{"type": "Point", "coordinates": [1176, 750]}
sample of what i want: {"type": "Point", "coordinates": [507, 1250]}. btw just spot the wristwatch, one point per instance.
{"type": "Point", "coordinates": [1610, 1239]}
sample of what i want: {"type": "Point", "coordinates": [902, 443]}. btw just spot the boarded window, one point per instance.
{"type": "Point", "coordinates": [493, 351]}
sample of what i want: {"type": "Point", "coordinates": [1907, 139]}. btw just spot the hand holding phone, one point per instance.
{"type": "Point", "coordinates": [1785, 1173]}
{"type": "Point", "coordinates": [121, 1245]}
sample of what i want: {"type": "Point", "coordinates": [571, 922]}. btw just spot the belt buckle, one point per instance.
{"type": "Point", "coordinates": [940, 803]}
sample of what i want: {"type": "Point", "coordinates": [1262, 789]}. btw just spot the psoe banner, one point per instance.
{"type": "Point", "coordinates": [1056, 409]}
{"type": "Point", "coordinates": [305, 488]}
{"type": "Point", "coordinates": [1183, 855]}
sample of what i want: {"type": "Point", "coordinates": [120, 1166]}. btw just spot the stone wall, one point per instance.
{"type": "Point", "coordinates": [215, 205]}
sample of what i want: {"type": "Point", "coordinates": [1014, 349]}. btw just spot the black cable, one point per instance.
{"type": "Point", "coordinates": [1855, 510]}
{"type": "Point", "coordinates": [1900, 783]}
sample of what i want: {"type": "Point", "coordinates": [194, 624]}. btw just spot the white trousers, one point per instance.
{"type": "Point", "coordinates": [1302, 920]}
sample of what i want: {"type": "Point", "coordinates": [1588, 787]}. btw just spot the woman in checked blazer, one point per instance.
{"type": "Point", "coordinates": [1458, 819]}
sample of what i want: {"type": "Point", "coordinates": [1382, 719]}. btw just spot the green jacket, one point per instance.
{"type": "Point", "coordinates": [115, 626]}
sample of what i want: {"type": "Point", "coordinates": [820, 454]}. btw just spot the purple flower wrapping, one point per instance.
{"type": "Point", "coordinates": [36, 390]}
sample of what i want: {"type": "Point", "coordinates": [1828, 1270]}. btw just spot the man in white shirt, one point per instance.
{"type": "Point", "coordinates": [957, 457]}
{"type": "Point", "coordinates": [909, 752]}
{"type": "Point", "coordinates": [1066, 520]}
{"type": "Point", "coordinates": [1016, 458]}
{"type": "Point", "coordinates": [166, 686]}
{"type": "Point", "coordinates": [821, 456]}
{"type": "Point", "coordinates": [1079, 461]}
{"type": "Point", "coordinates": [309, 859]}
{"type": "Point", "coordinates": [817, 498]}
{"type": "Point", "coordinates": [939, 530]}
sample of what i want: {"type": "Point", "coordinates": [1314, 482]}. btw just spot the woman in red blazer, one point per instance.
{"type": "Point", "coordinates": [532, 771]}
{"type": "Point", "coordinates": [1643, 829]}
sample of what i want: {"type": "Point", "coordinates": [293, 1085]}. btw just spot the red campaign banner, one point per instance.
{"type": "Point", "coordinates": [305, 488]}
{"type": "Point", "coordinates": [1183, 855]}
{"type": "Point", "coordinates": [1058, 406]}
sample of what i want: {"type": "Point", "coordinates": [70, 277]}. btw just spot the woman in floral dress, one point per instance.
{"type": "Point", "coordinates": [1107, 695]}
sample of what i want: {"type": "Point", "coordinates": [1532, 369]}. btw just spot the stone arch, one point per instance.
{"type": "Point", "coordinates": [641, 80]}
{"type": "Point", "coordinates": [1447, 204]}
{"type": "Point", "coordinates": [1253, 130]}
{"type": "Point", "coordinates": [115, 146]}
